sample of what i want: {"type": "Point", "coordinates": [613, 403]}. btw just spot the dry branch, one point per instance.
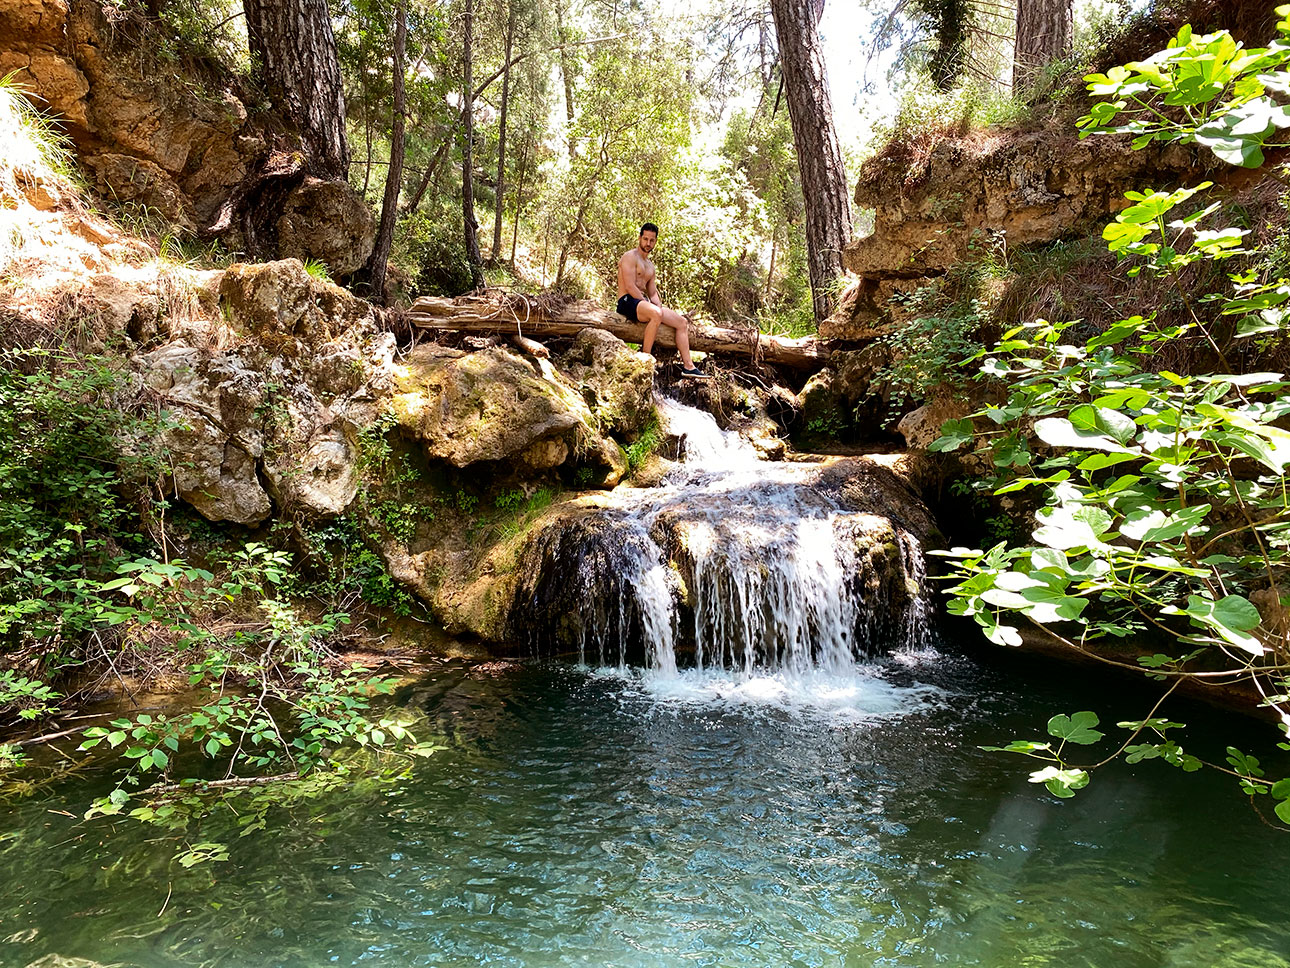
{"type": "Point", "coordinates": [546, 316]}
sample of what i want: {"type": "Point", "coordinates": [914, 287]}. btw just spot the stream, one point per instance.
{"type": "Point", "coordinates": [794, 792]}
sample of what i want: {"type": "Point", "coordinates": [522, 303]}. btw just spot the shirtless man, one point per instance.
{"type": "Point", "coordinates": [638, 299]}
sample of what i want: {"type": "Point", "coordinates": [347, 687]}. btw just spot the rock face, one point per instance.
{"type": "Point", "coordinates": [982, 190]}
{"type": "Point", "coordinates": [274, 419]}
{"type": "Point", "coordinates": [272, 423]}
{"type": "Point", "coordinates": [178, 143]}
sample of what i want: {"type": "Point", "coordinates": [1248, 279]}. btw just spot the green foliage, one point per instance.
{"type": "Point", "coordinates": [186, 29]}
{"type": "Point", "coordinates": [343, 570]}
{"type": "Point", "coordinates": [389, 471]}
{"type": "Point", "coordinates": [67, 440]}
{"type": "Point", "coordinates": [647, 441]}
{"type": "Point", "coordinates": [430, 249]}
{"type": "Point", "coordinates": [927, 351]}
{"type": "Point", "coordinates": [520, 510]}
{"type": "Point", "coordinates": [949, 319]}
{"type": "Point", "coordinates": [30, 697]}
{"type": "Point", "coordinates": [275, 704]}
{"type": "Point", "coordinates": [828, 424]}
{"type": "Point", "coordinates": [318, 269]}
{"type": "Point", "coordinates": [78, 459]}
{"type": "Point", "coordinates": [1165, 507]}
{"type": "Point", "coordinates": [1061, 779]}
{"type": "Point", "coordinates": [508, 502]}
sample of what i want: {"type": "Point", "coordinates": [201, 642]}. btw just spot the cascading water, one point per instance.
{"type": "Point", "coordinates": [759, 566]}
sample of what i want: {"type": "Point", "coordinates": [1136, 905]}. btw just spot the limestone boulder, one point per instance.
{"type": "Point", "coordinates": [280, 302]}
{"type": "Point", "coordinates": [922, 426]}
{"type": "Point", "coordinates": [118, 306]}
{"type": "Point", "coordinates": [254, 428]}
{"type": "Point", "coordinates": [214, 437]}
{"type": "Point", "coordinates": [491, 405]}
{"type": "Point", "coordinates": [327, 221]}
{"type": "Point", "coordinates": [617, 382]}
{"type": "Point", "coordinates": [988, 191]}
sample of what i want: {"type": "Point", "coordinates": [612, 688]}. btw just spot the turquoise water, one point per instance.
{"type": "Point", "coordinates": [581, 818]}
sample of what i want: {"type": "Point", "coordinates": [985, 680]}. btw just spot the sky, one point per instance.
{"type": "Point", "coordinates": [847, 34]}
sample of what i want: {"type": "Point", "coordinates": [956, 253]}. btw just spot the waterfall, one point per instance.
{"type": "Point", "coordinates": [755, 564]}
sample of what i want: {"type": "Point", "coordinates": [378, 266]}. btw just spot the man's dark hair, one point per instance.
{"type": "Point", "coordinates": [649, 227]}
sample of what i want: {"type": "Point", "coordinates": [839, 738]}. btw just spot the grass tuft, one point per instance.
{"type": "Point", "coordinates": [35, 151]}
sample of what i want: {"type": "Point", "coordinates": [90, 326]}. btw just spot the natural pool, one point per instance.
{"type": "Point", "coordinates": [596, 818]}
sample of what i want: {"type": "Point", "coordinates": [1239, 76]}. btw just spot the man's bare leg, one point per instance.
{"type": "Point", "coordinates": [651, 316]}
{"type": "Point", "coordinates": [682, 326]}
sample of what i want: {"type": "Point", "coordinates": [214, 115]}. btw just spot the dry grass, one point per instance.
{"type": "Point", "coordinates": [1080, 280]}
{"type": "Point", "coordinates": [65, 273]}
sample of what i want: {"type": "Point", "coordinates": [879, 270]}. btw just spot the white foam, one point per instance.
{"type": "Point", "coordinates": [860, 694]}
{"type": "Point", "coordinates": [773, 568]}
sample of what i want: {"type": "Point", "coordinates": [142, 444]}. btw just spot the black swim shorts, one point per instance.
{"type": "Point", "coordinates": [627, 306]}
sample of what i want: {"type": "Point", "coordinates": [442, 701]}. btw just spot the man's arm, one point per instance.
{"type": "Point", "coordinates": [627, 277]}
{"type": "Point", "coordinates": [653, 291]}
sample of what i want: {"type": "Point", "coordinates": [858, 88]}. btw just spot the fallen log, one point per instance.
{"type": "Point", "coordinates": [547, 315]}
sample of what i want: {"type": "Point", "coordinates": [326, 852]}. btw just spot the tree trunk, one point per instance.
{"type": "Point", "coordinates": [367, 140]}
{"type": "Point", "coordinates": [294, 51]}
{"type": "Point", "coordinates": [1044, 31]}
{"type": "Point", "coordinates": [427, 176]}
{"type": "Point", "coordinates": [770, 273]}
{"type": "Point", "coordinates": [379, 261]}
{"type": "Point", "coordinates": [523, 315]}
{"type": "Point", "coordinates": [519, 200]}
{"type": "Point", "coordinates": [828, 211]}
{"type": "Point", "coordinates": [501, 135]}
{"type": "Point", "coordinates": [566, 72]}
{"type": "Point", "coordinates": [467, 151]}
{"type": "Point", "coordinates": [953, 19]}
{"type": "Point", "coordinates": [581, 215]}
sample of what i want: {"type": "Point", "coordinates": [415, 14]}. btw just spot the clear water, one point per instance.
{"type": "Point", "coordinates": [591, 818]}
